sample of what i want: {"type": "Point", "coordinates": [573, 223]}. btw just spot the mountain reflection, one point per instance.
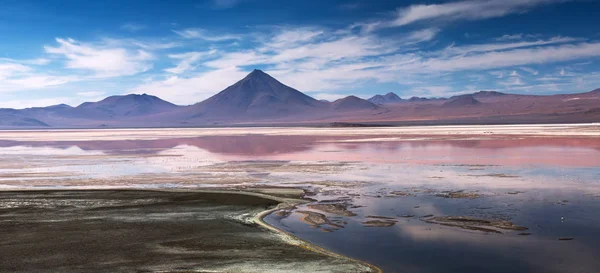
{"type": "Point", "coordinates": [526, 150]}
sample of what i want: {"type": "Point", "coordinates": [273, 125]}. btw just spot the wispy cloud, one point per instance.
{"type": "Point", "coordinates": [196, 33]}
{"type": "Point", "coordinates": [530, 70]}
{"type": "Point", "coordinates": [132, 27]}
{"type": "Point", "coordinates": [286, 37]}
{"type": "Point", "coordinates": [455, 11]}
{"type": "Point", "coordinates": [187, 60]}
{"type": "Point", "coordinates": [508, 37]}
{"type": "Point", "coordinates": [102, 61]}
{"type": "Point", "coordinates": [500, 59]}
{"type": "Point", "coordinates": [489, 47]}
{"type": "Point", "coordinates": [464, 10]}
{"type": "Point", "coordinates": [512, 81]}
{"type": "Point", "coordinates": [155, 45]}
{"type": "Point", "coordinates": [38, 61]}
{"type": "Point", "coordinates": [17, 76]}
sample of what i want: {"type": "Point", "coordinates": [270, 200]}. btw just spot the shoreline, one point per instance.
{"type": "Point", "coordinates": [294, 240]}
{"type": "Point", "coordinates": [257, 218]}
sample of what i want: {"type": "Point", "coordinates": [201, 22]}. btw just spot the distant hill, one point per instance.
{"type": "Point", "coordinates": [461, 101]}
{"type": "Point", "coordinates": [351, 103]}
{"type": "Point", "coordinates": [487, 94]}
{"type": "Point", "coordinates": [8, 119]}
{"type": "Point", "coordinates": [121, 106]}
{"type": "Point", "coordinates": [385, 99]}
{"type": "Point", "coordinates": [417, 99]}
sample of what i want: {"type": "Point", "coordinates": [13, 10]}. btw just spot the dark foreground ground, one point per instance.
{"type": "Point", "coordinates": [146, 231]}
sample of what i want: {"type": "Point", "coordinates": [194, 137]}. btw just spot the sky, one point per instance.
{"type": "Point", "coordinates": [73, 51]}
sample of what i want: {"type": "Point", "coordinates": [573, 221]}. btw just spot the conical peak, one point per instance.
{"type": "Point", "coordinates": [257, 73]}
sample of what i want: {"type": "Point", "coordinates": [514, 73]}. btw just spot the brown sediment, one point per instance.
{"type": "Point", "coordinates": [472, 223]}
{"type": "Point", "coordinates": [459, 194]}
{"type": "Point", "coordinates": [280, 191]}
{"type": "Point", "coordinates": [380, 217]}
{"type": "Point", "coordinates": [379, 223]}
{"type": "Point", "coordinates": [283, 213]}
{"type": "Point", "coordinates": [400, 193]}
{"type": "Point", "coordinates": [316, 219]}
{"type": "Point", "coordinates": [337, 209]}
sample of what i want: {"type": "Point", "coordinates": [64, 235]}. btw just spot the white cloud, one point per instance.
{"type": "Point", "coordinates": [499, 59]}
{"type": "Point", "coordinates": [454, 11]}
{"type": "Point", "coordinates": [477, 48]}
{"type": "Point", "coordinates": [155, 45]}
{"type": "Point", "coordinates": [497, 74]}
{"type": "Point", "coordinates": [187, 60]}
{"type": "Point", "coordinates": [530, 70]}
{"type": "Point", "coordinates": [507, 37]}
{"type": "Point", "coordinates": [293, 37]}
{"type": "Point", "coordinates": [196, 33]}
{"type": "Point", "coordinates": [16, 76]}
{"type": "Point", "coordinates": [512, 81]}
{"type": "Point", "coordinates": [464, 10]}
{"type": "Point", "coordinates": [10, 69]}
{"type": "Point", "coordinates": [38, 61]}
{"type": "Point", "coordinates": [423, 35]}
{"type": "Point", "coordinates": [548, 79]}
{"type": "Point", "coordinates": [100, 60]}
{"type": "Point", "coordinates": [37, 81]}
{"type": "Point", "coordinates": [344, 48]}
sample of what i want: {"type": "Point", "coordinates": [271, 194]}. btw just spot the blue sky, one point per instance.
{"type": "Point", "coordinates": [72, 51]}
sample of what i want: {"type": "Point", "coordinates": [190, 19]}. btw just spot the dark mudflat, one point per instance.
{"type": "Point", "coordinates": [129, 231]}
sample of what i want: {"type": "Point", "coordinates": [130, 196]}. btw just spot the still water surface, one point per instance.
{"type": "Point", "coordinates": [549, 185]}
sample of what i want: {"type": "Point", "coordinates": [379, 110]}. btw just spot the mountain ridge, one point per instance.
{"type": "Point", "coordinates": [258, 98]}
{"type": "Point", "coordinates": [390, 97]}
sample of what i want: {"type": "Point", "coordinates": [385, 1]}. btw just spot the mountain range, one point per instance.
{"type": "Point", "coordinates": [259, 99]}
